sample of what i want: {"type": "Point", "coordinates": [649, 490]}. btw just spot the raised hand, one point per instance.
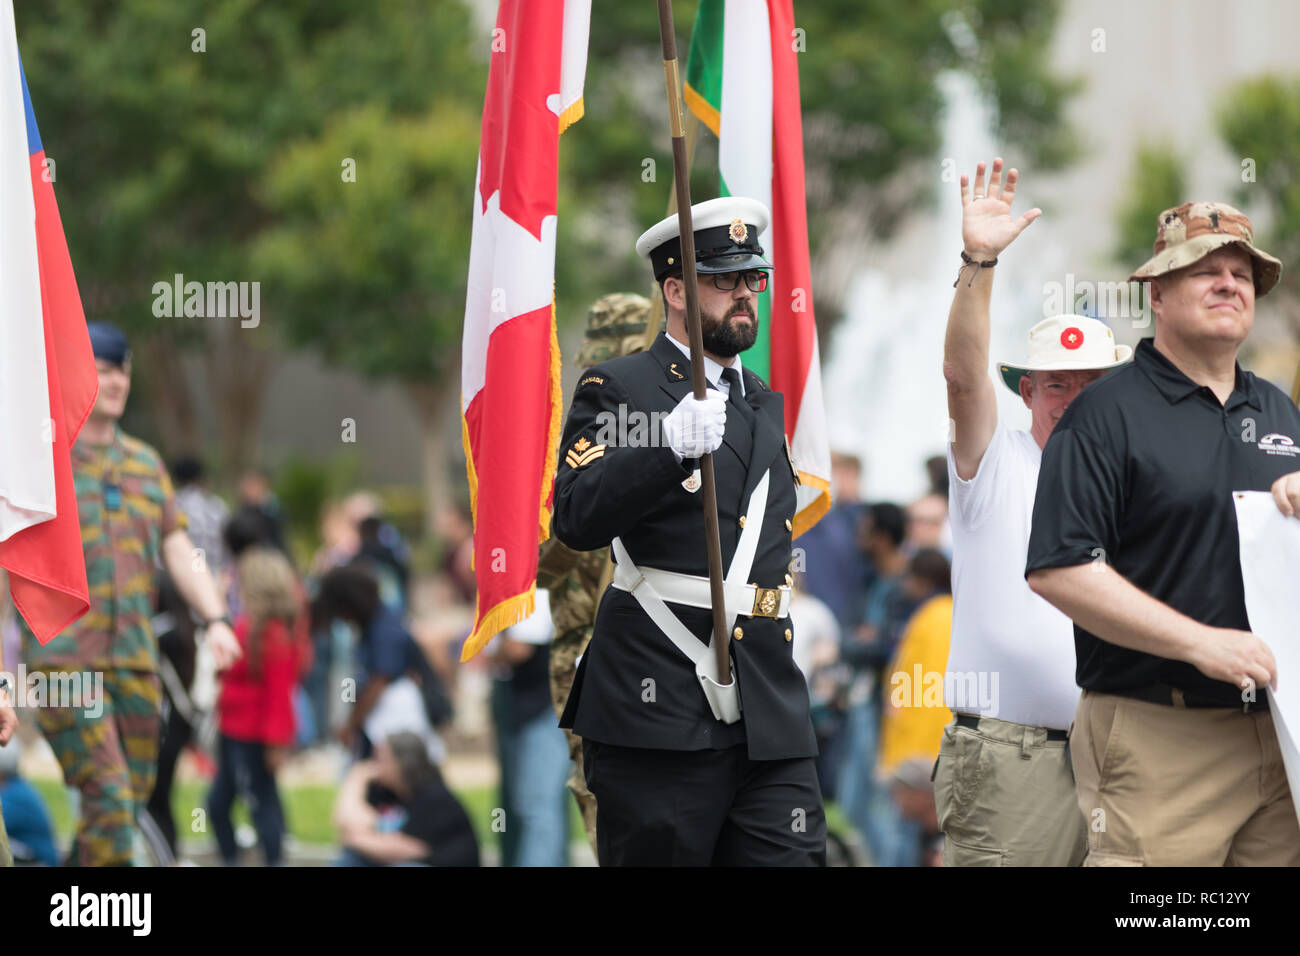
{"type": "Point", "coordinates": [986, 224]}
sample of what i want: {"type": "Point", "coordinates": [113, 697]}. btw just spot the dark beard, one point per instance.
{"type": "Point", "coordinates": [726, 339]}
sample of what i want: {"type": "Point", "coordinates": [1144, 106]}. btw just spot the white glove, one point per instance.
{"type": "Point", "coordinates": [695, 426]}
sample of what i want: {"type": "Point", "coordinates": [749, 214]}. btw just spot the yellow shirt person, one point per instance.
{"type": "Point", "coordinates": [914, 711]}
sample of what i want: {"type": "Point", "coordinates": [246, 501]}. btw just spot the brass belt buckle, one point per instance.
{"type": "Point", "coordinates": [767, 601]}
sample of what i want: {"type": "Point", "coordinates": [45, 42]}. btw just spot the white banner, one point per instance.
{"type": "Point", "coordinates": [1270, 560]}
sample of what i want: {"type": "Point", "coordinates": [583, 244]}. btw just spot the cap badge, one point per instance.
{"type": "Point", "coordinates": [739, 232]}
{"type": "Point", "coordinates": [1072, 338]}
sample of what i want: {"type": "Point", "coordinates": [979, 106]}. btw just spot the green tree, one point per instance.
{"type": "Point", "coordinates": [375, 266]}
{"type": "Point", "coordinates": [1158, 182]}
{"type": "Point", "coordinates": [872, 109]}
{"type": "Point", "coordinates": [219, 155]}
{"type": "Point", "coordinates": [164, 117]}
{"type": "Point", "coordinates": [1259, 120]}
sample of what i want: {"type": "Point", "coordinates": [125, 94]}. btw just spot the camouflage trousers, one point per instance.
{"type": "Point", "coordinates": [111, 759]}
{"type": "Point", "coordinates": [565, 651]}
{"type": "Point", "coordinates": [6, 858]}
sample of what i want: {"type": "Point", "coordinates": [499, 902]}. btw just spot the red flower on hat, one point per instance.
{"type": "Point", "coordinates": [1072, 338]}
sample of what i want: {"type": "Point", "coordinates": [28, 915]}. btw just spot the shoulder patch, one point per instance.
{"type": "Point", "coordinates": [590, 379]}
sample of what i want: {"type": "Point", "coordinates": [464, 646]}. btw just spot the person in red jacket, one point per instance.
{"type": "Point", "coordinates": [255, 709]}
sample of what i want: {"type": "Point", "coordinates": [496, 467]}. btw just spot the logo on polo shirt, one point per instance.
{"type": "Point", "coordinates": [1278, 444]}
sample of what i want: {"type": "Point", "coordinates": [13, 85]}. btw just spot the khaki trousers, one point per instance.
{"type": "Point", "coordinates": [1178, 786]}
{"type": "Point", "coordinates": [1005, 797]}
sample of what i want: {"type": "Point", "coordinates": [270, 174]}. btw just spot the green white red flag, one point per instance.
{"type": "Point", "coordinates": [742, 82]}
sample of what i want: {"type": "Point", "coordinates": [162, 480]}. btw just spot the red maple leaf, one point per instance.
{"type": "Point", "coordinates": [520, 140]}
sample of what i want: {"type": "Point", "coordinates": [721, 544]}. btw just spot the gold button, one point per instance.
{"type": "Point", "coordinates": [788, 525]}
{"type": "Point", "coordinates": [737, 633]}
{"type": "Point", "coordinates": [742, 521]}
{"type": "Point", "coordinates": [789, 634]}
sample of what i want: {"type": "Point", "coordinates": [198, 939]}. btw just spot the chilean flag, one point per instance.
{"type": "Point", "coordinates": [510, 358]}
{"type": "Point", "coordinates": [48, 381]}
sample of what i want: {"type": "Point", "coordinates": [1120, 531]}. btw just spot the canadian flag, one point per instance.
{"type": "Point", "coordinates": [510, 359]}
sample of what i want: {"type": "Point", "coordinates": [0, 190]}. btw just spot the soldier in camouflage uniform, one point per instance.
{"type": "Point", "coordinates": [130, 526]}
{"type": "Point", "coordinates": [616, 325]}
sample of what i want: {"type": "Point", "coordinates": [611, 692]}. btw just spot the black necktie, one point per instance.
{"type": "Point", "coordinates": [735, 397]}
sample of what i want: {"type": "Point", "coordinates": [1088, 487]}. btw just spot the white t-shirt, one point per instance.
{"type": "Point", "coordinates": [1012, 654]}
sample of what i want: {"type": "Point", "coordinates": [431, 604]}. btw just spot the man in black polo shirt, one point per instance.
{"type": "Point", "coordinates": [1175, 755]}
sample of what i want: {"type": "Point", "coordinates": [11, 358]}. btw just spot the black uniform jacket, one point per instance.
{"type": "Point", "coordinates": [633, 687]}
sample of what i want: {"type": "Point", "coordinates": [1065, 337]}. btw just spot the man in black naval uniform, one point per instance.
{"type": "Point", "coordinates": [681, 777]}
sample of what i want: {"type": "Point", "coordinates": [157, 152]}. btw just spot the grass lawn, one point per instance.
{"type": "Point", "coordinates": [307, 807]}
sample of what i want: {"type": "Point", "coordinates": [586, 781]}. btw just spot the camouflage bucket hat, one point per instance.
{"type": "Point", "coordinates": [1190, 232]}
{"type": "Point", "coordinates": [616, 326]}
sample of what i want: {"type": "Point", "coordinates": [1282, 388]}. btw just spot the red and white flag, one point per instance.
{"type": "Point", "coordinates": [47, 370]}
{"type": "Point", "coordinates": [510, 359]}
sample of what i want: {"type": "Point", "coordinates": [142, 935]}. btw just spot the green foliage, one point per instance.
{"type": "Point", "coordinates": [1013, 62]}
{"type": "Point", "coordinates": [375, 269]}
{"type": "Point", "coordinates": [303, 487]}
{"type": "Point", "coordinates": [1158, 182]}
{"type": "Point", "coordinates": [872, 110]}
{"type": "Point", "coordinates": [174, 160]}
{"type": "Point", "coordinates": [1259, 119]}
{"type": "Point", "coordinates": [227, 164]}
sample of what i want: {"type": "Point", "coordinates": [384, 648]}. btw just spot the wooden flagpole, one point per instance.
{"type": "Point", "coordinates": [681, 176]}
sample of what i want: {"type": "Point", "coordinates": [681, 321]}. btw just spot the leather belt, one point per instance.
{"type": "Point", "coordinates": [972, 722]}
{"type": "Point", "coordinates": [1173, 697]}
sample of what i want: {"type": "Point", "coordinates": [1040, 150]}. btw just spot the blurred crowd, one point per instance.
{"type": "Point", "coordinates": [331, 676]}
{"type": "Point", "coordinates": [873, 615]}
{"type": "Point", "coordinates": [344, 667]}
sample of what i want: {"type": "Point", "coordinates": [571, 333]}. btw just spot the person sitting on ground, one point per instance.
{"type": "Point", "coordinates": [395, 809]}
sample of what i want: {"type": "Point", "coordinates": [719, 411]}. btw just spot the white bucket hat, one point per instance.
{"type": "Point", "coordinates": [1067, 343]}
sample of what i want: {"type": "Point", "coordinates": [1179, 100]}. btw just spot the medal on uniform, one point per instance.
{"type": "Point", "coordinates": [692, 484]}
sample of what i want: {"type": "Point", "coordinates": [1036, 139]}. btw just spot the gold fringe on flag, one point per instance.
{"type": "Point", "coordinates": [815, 509]}
{"type": "Point", "coordinates": [553, 434]}
{"type": "Point", "coordinates": [571, 115]}
{"type": "Point", "coordinates": [515, 609]}
{"type": "Point", "coordinates": [506, 614]}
